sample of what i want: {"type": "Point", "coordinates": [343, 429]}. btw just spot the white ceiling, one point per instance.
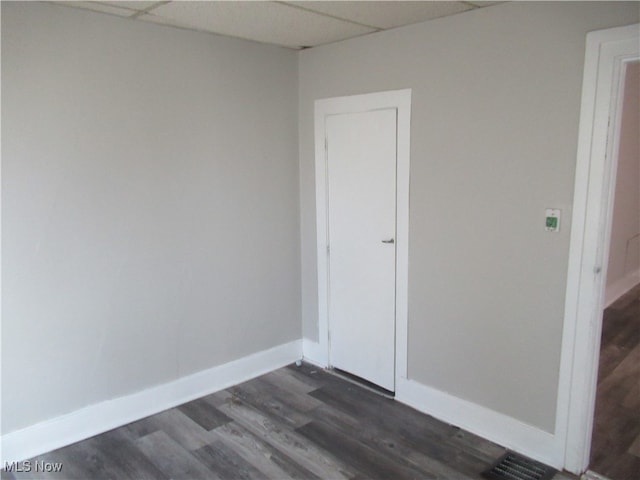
{"type": "Point", "coordinates": [292, 24]}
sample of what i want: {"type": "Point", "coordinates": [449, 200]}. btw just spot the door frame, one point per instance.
{"type": "Point", "coordinates": [607, 53]}
{"type": "Point", "coordinates": [401, 101]}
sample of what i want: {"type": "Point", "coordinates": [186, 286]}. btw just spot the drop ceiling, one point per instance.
{"type": "Point", "coordinates": [295, 24]}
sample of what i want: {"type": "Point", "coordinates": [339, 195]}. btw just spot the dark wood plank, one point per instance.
{"type": "Point", "coordinates": [625, 467]}
{"type": "Point", "coordinates": [269, 460]}
{"type": "Point", "coordinates": [399, 419]}
{"type": "Point", "coordinates": [108, 456]}
{"type": "Point", "coordinates": [175, 424]}
{"type": "Point", "coordinates": [226, 463]}
{"type": "Point", "coordinates": [616, 431]}
{"type": "Point", "coordinates": [286, 379]}
{"type": "Point", "coordinates": [297, 401]}
{"type": "Point", "coordinates": [204, 413]}
{"type": "Point", "coordinates": [431, 454]}
{"type": "Point", "coordinates": [4, 475]}
{"type": "Point", "coordinates": [287, 441]}
{"type": "Point", "coordinates": [171, 458]}
{"type": "Point", "coordinates": [610, 357]}
{"type": "Point", "coordinates": [123, 460]}
{"type": "Point", "coordinates": [265, 401]}
{"type": "Point", "coordinates": [306, 373]}
{"type": "Point", "coordinates": [369, 462]}
{"type": "Point", "coordinates": [395, 449]}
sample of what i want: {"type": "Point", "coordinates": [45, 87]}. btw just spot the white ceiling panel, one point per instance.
{"type": "Point", "coordinates": [268, 22]}
{"type": "Point", "coordinates": [384, 15]}
{"type": "Point", "coordinates": [293, 24]}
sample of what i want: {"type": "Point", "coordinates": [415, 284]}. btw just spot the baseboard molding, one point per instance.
{"type": "Point", "coordinates": [98, 418]}
{"type": "Point", "coordinates": [590, 475]}
{"type": "Point", "coordinates": [618, 288]}
{"type": "Point", "coordinates": [312, 353]}
{"type": "Point", "coordinates": [494, 426]}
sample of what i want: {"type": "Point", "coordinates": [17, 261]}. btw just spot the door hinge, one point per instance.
{"type": "Point", "coordinates": [328, 249]}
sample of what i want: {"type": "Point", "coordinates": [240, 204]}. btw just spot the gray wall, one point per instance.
{"type": "Point", "coordinates": [624, 253]}
{"type": "Point", "coordinates": [149, 206]}
{"type": "Point", "coordinates": [495, 110]}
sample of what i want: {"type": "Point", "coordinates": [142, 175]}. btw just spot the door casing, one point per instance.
{"type": "Point", "coordinates": [401, 101]}
{"type": "Point", "coordinates": [607, 53]}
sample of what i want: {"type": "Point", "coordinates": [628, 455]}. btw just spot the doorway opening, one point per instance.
{"type": "Point", "coordinates": [615, 441]}
{"type": "Point", "coordinates": [608, 54]}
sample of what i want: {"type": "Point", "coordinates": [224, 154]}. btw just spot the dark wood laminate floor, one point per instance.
{"type": "Point", "coordinates": [615, 446]}
{"type": "Point", "coordinates": [296, 422]}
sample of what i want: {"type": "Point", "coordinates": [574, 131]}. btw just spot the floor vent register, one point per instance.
{"type": "Point", "coordinates": [516, 467]}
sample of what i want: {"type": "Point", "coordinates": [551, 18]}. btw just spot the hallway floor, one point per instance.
{"type": "Point", "coordinates": [615, 450]}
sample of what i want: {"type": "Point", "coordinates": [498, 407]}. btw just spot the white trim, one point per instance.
{"type": "Point", "coordinates": [95, 419]}
{"type": "Point", "coordinates": [621, 286]}
{"type": "Point", "coordinates": [487, 423]}
{"type": "Point", "coordinates": [606, 53]}
{"type": "Point", "coordinates": [312, 353]}
{"type": "Point", "coordinates": [590, 475]}
{"type": "Point", "coordinates": [401, 100]}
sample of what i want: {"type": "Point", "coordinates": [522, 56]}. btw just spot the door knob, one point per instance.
{"type": "Point", "coordinates": [391, 240]}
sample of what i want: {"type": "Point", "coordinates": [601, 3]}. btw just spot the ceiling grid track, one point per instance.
{"type": "Point", "coordinates": [290, 24]}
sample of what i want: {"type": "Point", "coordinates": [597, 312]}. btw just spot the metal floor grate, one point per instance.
{"type": "Point", "coordinates": [516, 467]}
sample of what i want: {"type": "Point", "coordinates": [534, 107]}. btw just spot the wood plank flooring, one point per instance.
{"type": "Point", "coordinates": [293, 423]}
{"type": "Point", "coordinates": [615, 449]}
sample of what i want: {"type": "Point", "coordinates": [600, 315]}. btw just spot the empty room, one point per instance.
{"type": "Point", "coordinates": [319, 240]}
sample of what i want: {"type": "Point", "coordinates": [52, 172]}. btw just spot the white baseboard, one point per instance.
{"type": "Point", "coordinates": [489, 424]}
{"type": "Point", "coordinates": [312, 353]}
{"type": "Point", "coordinates": [590, 475]}
{"type": "Point", "coordinates": [618, 288]}
{"type": "Point", "coordinates": [101, 417]}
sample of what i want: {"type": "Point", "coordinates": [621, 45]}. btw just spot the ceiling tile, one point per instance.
{"type": "Point", "coordinates": [100, 7]}
{"type": "Point", "coordinates": [292, 24]}
{"type": "Point", "coordinates": [383, 14]}
{"type": "Point", "coordinates": [268, 22]}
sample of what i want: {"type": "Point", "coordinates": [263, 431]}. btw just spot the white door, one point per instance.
{"type": "Point", "coordinates": [361, 169]}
